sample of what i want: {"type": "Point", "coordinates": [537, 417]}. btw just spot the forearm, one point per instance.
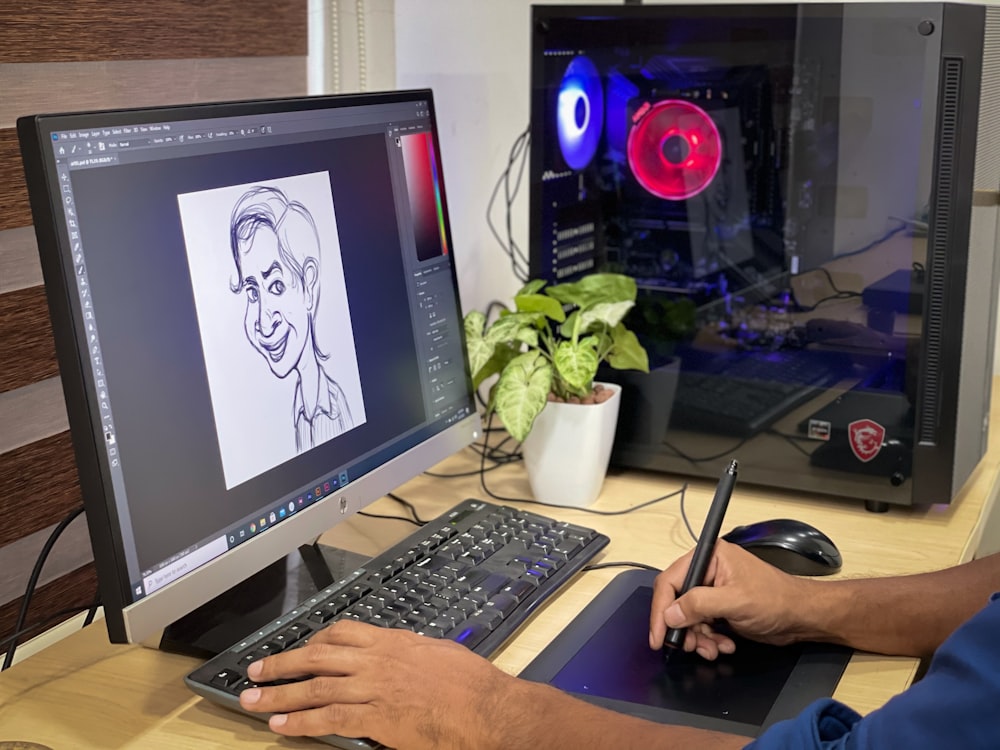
{"type": "Point", "coordinates": [903, 615]}
{"type": "Point", "coordinates": [535, 715]}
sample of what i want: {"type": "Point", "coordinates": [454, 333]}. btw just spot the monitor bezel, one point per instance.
{"type": "Point", "coordinates": [128, 621]}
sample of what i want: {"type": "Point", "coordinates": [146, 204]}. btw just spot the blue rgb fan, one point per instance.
{"type": "Point", "coordinates": [580, 112]}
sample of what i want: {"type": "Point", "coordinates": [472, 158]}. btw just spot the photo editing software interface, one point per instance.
{"type": "Point", "coordinates": [269, 306]}
{"type": "Point", "coordinates": [762, 172]}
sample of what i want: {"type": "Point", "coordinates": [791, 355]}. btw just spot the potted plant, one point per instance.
{"type": "Point", "coordinates": [546, 352]}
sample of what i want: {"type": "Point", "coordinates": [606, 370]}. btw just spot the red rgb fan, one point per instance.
{"type": "Point", "coordinates": [674, 150]}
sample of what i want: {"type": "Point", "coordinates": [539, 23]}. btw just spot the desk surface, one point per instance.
{"type": "Point", "coordinates": [86, 693]}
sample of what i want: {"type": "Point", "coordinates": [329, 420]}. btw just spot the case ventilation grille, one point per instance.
{"type": "Point", "coordinates": [942, 227]}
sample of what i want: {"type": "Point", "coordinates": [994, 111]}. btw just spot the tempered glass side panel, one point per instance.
{"type": "Point", "coordinates": [764, 172]}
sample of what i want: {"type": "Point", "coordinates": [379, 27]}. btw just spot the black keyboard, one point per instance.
{"type": "Point", "coordinates": [745, 394]}
{"type": "Point", "coordinates": [473, 575]}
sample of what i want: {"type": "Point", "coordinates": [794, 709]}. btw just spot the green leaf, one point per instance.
{"type": "Point", "coordinates": [577, 363]}
{"type": "Point", "coordinates": [540, 303]}
{"type": "Point", "coordinates": [503, 354]}
{"type": "Point", "coordinates": [532, 287]}
{"type": "Point", "coordinates": [607, 314]}
{"type": "Point", "coordinates": [594, 289]}
{"type": "Point", "coordinates": [528, 336]}
{"type": "Point", "coordinates": [505, 330]}
{"type": "Point", "coordinates": [480, 350]}
{"type": "Point", "coordinates": [521, 392]}
{"type": "Point", "coordinates": [627, 353]}
{"type": "Point", "coordinates": [567, 328]}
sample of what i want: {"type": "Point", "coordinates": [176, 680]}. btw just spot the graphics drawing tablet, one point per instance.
{"type": "Point", "coordinates": [603, 656]}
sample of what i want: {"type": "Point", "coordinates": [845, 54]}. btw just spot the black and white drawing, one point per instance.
{"type": "Point", "coordinates": [280, 355]}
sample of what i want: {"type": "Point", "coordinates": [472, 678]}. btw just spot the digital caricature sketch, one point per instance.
{"type": "Point", "coordinates": [276, 250]}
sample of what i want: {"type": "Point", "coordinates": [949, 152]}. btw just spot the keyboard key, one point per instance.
{"type": "Point", "coordinates": [519, 589]}
{"type": "Point", "coordinates": [567, 549]}
{"type": "Point", "coordinates": [298, 630]}
{"type": "Point", "coordinates": [469, 634]}
{"type": "Point", "coordinates": [384, 619]}
{"type": "Point", "coordinates": [421, 593]}
{"type": "Point", "coordinates": [502, 603]}
{"type": "Point", "coordinates": [472, 578]}
{"type": "Point", "coordinates": [226, 677]}
{"type": "Point", "coordinates": [468, 606]}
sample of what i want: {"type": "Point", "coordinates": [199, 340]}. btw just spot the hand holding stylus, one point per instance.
{"type": "Point", "coordinates": [703, 550]}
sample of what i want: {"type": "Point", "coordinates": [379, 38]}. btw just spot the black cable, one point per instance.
{"type": "Point", "coordinates": [43, 624]}
{"type": "Point", "coordinates": [520, 264]}
{"type": "Point", "coordinates": [93, 610]}
{"type": "Point", "coordinates": [837, 296]}
{"type": "Point", "coordinates": [875, 243]}
{"type": "Point", "coordinates": [472, 473]}
{"type": "Point", "coordinates": [646, 504]}
{"type": "Point", "coordinates": [684, 517]}
{"type": "Point", "coordinates": [33, 581]}
{"type": "Point", "coordinates": [793, 440]}
{"type": "Point", "coordinates": [592, 511]}
{"type": "Point", "coordinates": [496, 453]}
{"type": "Point", "coordinates": [509, 195]}
{"type": "Point", "coordinates": [829, 280]}
{"type": "Point", "coordinates": [691, 459]}
{"type": "Point", "coordinates": [840, 293]}
{"type": "Point", "coordinates": [366, 514]}
{"type": "Point", "coordinates": [409, 506]}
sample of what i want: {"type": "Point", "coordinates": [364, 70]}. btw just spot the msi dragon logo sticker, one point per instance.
{"type": "Point", "coordinates": [866, 438]}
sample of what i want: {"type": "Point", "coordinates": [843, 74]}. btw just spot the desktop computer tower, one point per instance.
{"type": "Point", "coordinates": [807, 197]}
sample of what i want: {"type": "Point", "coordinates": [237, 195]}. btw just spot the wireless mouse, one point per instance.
{"type": "Point", "coordinates": [792, 546]}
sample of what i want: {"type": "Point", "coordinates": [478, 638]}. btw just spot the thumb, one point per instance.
{"type": "Point", "coordinates": [700, 604]}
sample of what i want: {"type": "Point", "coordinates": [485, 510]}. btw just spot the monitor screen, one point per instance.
{"type": "Point", "coordinates": [258, 328]}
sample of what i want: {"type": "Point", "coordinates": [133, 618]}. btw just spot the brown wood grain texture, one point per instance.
{"type": "Point", "coordinates": [14, 208]}
{"type": "Point", "coordinates": [60, 31]}
{"type": "Point", "coordinates": [78, 588]}
{"type": "Point", "coordinates": [26, 333]}
{"type": "Point", "coordinates": [39, 486]}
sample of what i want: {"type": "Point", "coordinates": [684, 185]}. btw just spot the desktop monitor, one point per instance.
{"type": "Point", "coordinates": [257, 323]}
{"type": "Point", "coordinates": [805, 194]}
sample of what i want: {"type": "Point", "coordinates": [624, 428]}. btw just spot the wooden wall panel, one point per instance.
{"type": "Point", "coordinates": [32, 413]}
{"type": "Point", "coordinates": [19, 264]}
{"type": "Point", "coordinates": [78, 588]}
{"type": "Point", "coordinates": [33, 88]}
{"type": "Point", "coordinates": [60, 31]}
{"type": "Point", "coordinates": [40, 478]}
{"type": "Point", "coordinates": [71, 551]}
{"type": "Point", "coordinates": [14, 208]}
{"type": "Point", "coordinates": [30, 353]}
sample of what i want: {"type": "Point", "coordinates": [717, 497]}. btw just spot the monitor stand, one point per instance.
{"type": "Point", "coordinates": [256, 601]}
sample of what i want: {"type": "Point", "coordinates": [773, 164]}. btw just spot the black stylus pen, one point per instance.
{"type": "Point", "coordinates": [703, 549]}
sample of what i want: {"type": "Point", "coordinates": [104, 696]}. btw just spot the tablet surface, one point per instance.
{"type": "Point", "coordinates": [603, 656]}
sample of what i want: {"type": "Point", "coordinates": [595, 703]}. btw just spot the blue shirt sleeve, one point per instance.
{"type": "Point", "coordinates": [956, 704]}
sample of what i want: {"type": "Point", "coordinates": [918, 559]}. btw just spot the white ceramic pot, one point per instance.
{"type": "Point", "coordinates": [568, 449]}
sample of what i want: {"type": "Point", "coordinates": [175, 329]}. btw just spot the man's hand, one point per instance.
{"type": "Point", "coordinates": [398, 688]}
{"type": "Point", "coordinates": [412, 692]}
{"type": "Point", "coordinates": [756, 599]}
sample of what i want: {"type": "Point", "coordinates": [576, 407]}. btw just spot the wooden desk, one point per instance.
{"type": "Point", "coordinates": [85, 693]}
